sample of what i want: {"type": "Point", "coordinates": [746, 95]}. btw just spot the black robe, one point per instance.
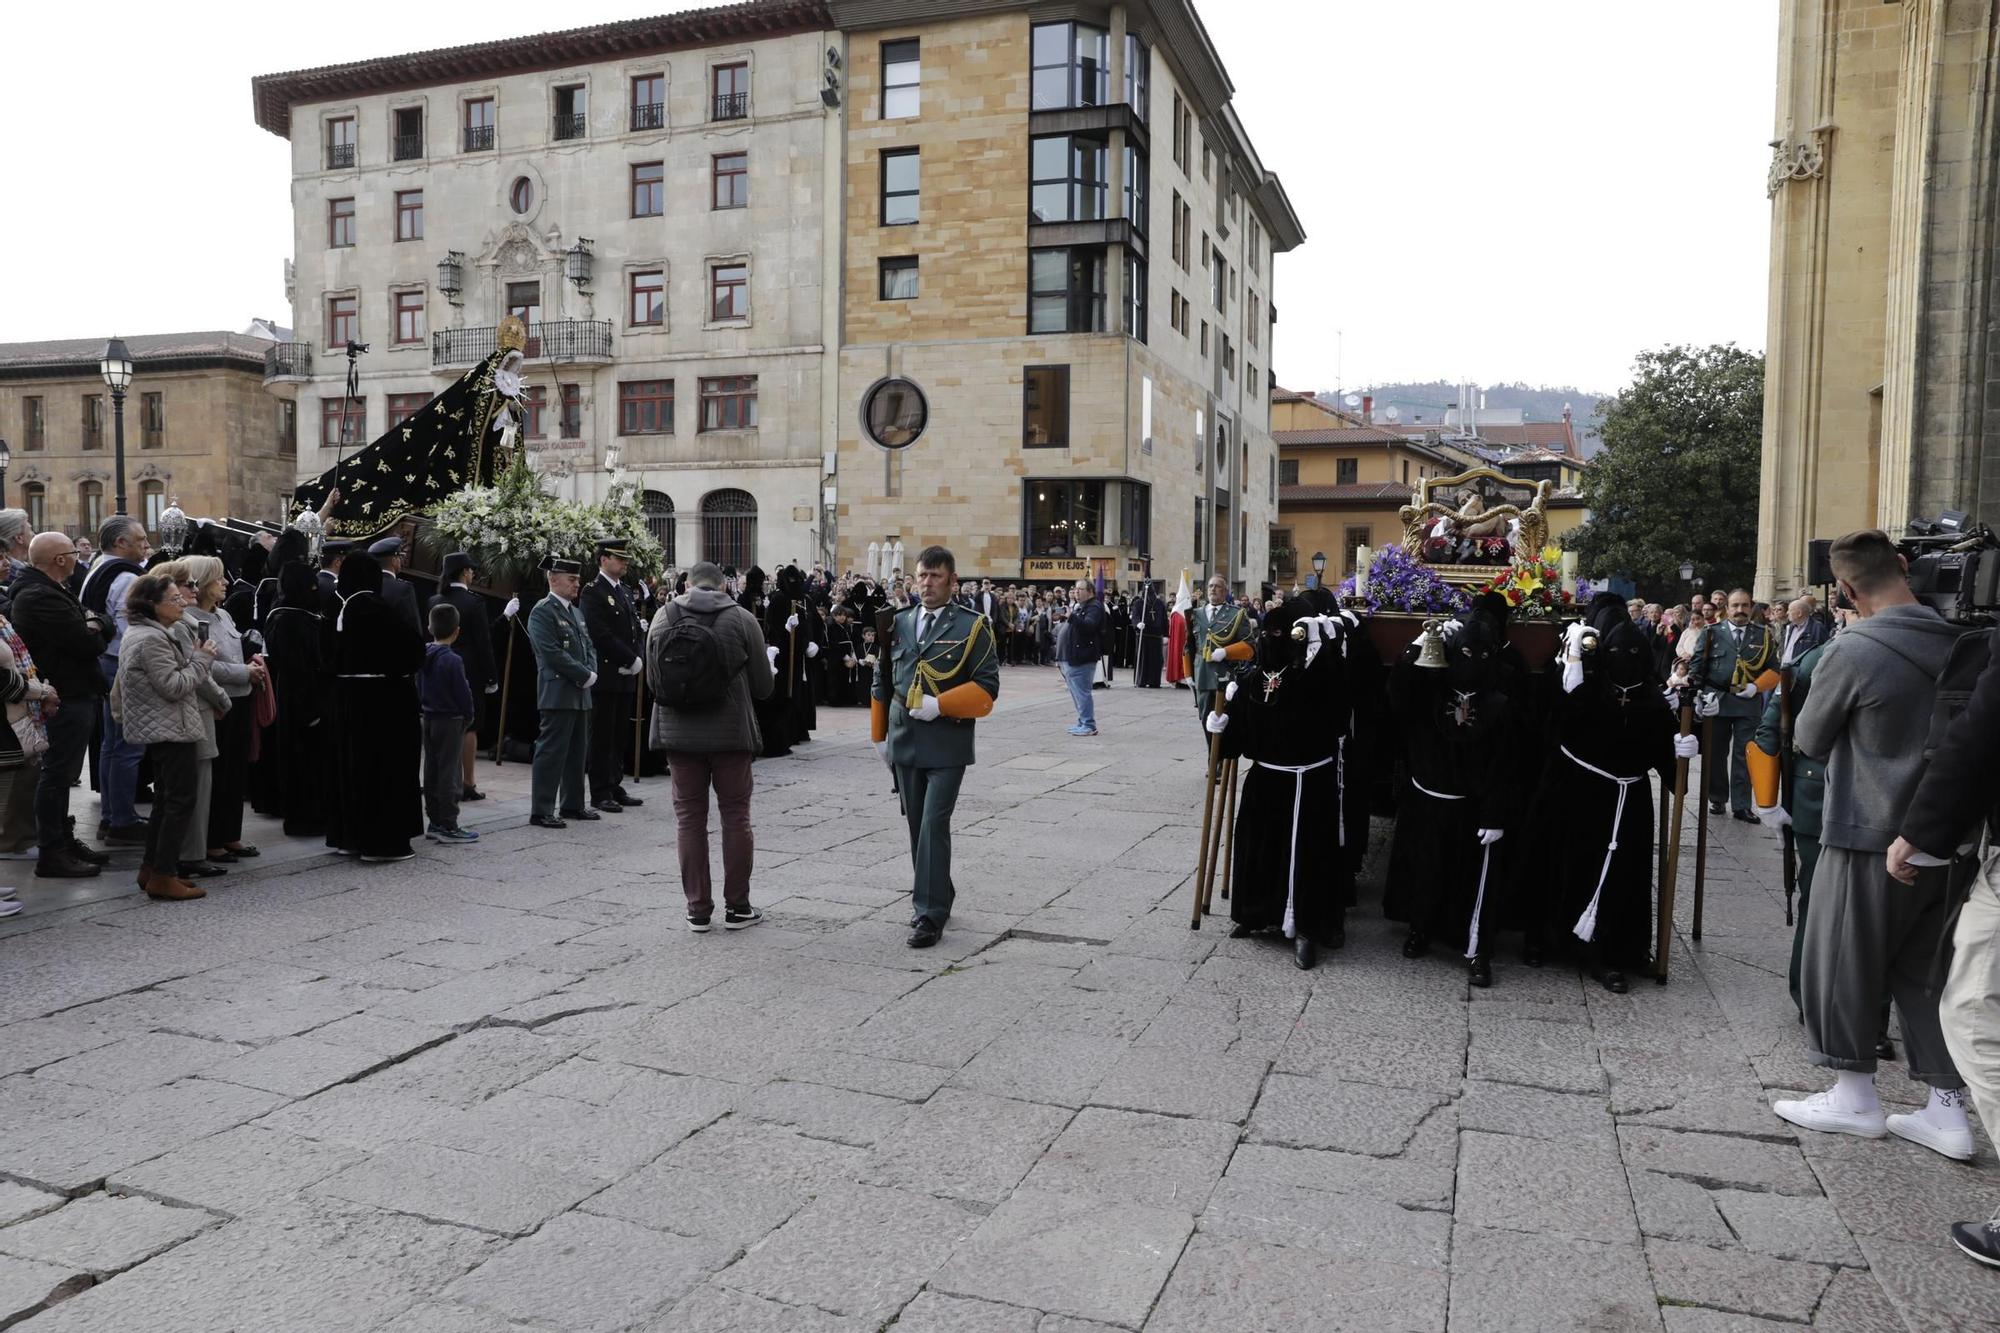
{"type": "Point", "coordinates": [1149, 640]}
{"type": "Point", "coordinates": [290, 778]}
{"type": "Point", "coordinates": [842, 680]}
{"type": "Point", "coordinates": [774, 711]}
{"type": "Point", "coordinates": [1288, 851]}
{"type": "Point", "coordinates": [377, 741]}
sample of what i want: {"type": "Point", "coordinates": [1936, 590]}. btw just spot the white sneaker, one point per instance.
{"type": "Point", "coordinates": [9, 906]}
{"type": "Point", "coordinates": [9, 894]}
{"type": "Point", "coordinates": [1819, 1112]}
{"type": "Point", "coordinates": [1953, 1143]}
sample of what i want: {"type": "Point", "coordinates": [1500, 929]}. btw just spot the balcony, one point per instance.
{"type": "Point", "coordinates": [286, 366]}
{"type": "Point", "coordinates": [731, 106]}
{"type": "Point", "coordinates": [651, 115]}
{"type": "Point", "coordinates": [339, 156]}
{"type": "Point", "coordinates": [557, 341]}
{"type": "Point", "coordinates": [569, 126]}
{"type": "Point", "coordinates": [478, 138]}
{"type": "Point", "coordinates": [408, 147]}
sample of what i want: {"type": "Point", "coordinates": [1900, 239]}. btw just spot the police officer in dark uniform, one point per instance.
{"type": "Point", "coordinates": [619, 638]}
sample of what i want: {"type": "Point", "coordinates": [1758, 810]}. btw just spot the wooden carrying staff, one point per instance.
{"type": "Point", "coordinates": [1670, 849]}
{"type": "Point", "coordinates": [506, 693]}
{"type": "Point", "coordinates": [1207, 824]}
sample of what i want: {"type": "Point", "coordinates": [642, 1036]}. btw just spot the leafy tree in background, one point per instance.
{"type": "Point", "coordinates": [1678, 477]}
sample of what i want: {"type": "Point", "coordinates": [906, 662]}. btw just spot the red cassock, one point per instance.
{"type": "Point", "coordinates": [1176, 648]}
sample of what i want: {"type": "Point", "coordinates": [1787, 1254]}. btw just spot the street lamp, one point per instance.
{"type": "Point", "coordinates": [6, 457]}
{"type": "Point", "coordinates": [1687, 571]}
{"type": "Point", "coordinates": [1319, 567]}
{"type": "Point", "coordinates": [116, 367]}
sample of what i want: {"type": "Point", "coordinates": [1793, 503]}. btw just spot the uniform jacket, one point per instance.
{"type": "Point", "coordinates": [1808, 773]}
{"type": "Point", "coordinates": [1737, 655]}
{"type": "Point", "coordinates": [564, 659]}
{"type": "Point", "coordinates": [1215, 627]}
{"type": "Point", "coordinates": [962, 647]}
{"type": "Point", "coordinates": [401, 596]}
{"type": "Point", "coordinates": [616, 634]}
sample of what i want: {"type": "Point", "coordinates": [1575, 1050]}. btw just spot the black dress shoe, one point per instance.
{"type": "Point", "coordinates": [585, 815]}
{"type": "Point", "coordinates": [1239, 932]}
{"type": "Point", "coordinates": [242, 850]}
{"type": "Point", "coordinates": [1718, 807]}
{"type": "Point", "coordinates": [1417, 945]}
{"type": "Point", "coordinates": [607, 805]}
{"type": "Point", "coordinates": [223, 858]}
{"type": "Point", "coordinates": [548, 821]}
{"type": "Point", "coordinates": [1337, 937]}
{"type": "Point", "coordinates": [1615, 983]}
{"type": "Point", "coordinates": [1303, 953]}
{"type": "Point", "coordinates": [1743, 816]}
{"type": "Point", "coordinates": [1531, 954]}
{"type": "Point", "coordinates": [626, 798]}
{"type": "Point", "coordinates": [201, 870]}
{"type": "Point", "coordinates": [1481, 972]}
{"type": "Point", "coordinates": [90, 854]}
{"type": "Point", "coordinates": [59, 864]}
{"type": "Point", "coordinates": [471, 794]}
{"type": "Point", "coordinates": [925, 935]}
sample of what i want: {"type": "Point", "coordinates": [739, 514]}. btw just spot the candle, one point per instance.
{"type": "Point", "coordinates": [1362, 559]}
{"type": "Point", "coordinates": [1569, 571]}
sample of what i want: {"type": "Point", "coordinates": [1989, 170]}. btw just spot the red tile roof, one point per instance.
{"type": "Point", "coordinates": [1366, 491]}
{"type": "Point", "coordinates": [1339, 435]}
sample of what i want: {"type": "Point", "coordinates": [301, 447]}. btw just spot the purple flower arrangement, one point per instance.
{"type": "Point", "coordinates": [1398, 583]}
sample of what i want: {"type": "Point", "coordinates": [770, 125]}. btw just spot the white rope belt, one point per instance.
{"type": "Point", "coordinates": [1442, 796]}
{"type": "Point", "coordinates": [1485, 864]}
{"type": "Point", "coordinates": [362, 675]}
{"type": "Point", "coordinates": [1586, 925]}
{"type": "Point", "coordinates": [1298, 773]}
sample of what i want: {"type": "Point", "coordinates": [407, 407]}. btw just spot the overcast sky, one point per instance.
{"type": "Point", "coordinates": [1491, 192]}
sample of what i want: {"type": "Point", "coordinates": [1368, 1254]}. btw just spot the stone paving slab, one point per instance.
{"type": "Point", "coordinates": [102, 1234]}
{"type": "Point", "coordinates": [589, 1274]}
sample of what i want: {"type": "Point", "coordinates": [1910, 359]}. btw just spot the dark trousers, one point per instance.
{"type": "Point", "coordinates": [70, 731]}
{"type": "Point", "coordinates": [929, 796]}
{"type": "Point", "coordinates": [610, 722]}
{"type": "Point", "coordinates": [1728, 771]}
{"type": "Point", "coordinates": [231, 774]}
{"type": "Point", "coordinates": [692, 776]}
{"type": "Point", "coordinates": [118, 761]}
{"type": "Point", "coordinates": [557, 781]}
{"type": "Point", "coordinates": [175, 775]}
{"type": "Point", "coordinates": [444, 765]}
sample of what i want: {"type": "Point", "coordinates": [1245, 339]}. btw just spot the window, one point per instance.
{"type": "Point", "coordinates": [1136, 279]}
{"type": "Point", "coordinates": [1284, 555]}
{"type": "Point", "coordinates": [729, 402]}
{"type": "Point", "coordinates": [34, 423]}
{"type": "Point", "coordinates": [403, 406]}
{"type": "Point", "coordinates": [90, 504]}
{"type": "Point", "coordinates": [658, 508]}
{"type": "Point", "coordinates": [729, 528]}
{"type": "Point", "coordinates": [1218, 277]}
{"type": "Point", "coordinates": [409, 316]}
{"type": "Point", "coordinates": [410, 215]}
{"type": "Point", "coordinates": [288, 425]}
{"type": "Point", "coordinates": [1288, 471]}
{"type": "Point", "coordinates": [1252, 244]}
{"type": "Point", "coordinates": [1067, 179]}
{"type": "Point", "coordinates": [649, 189]}
{"type": "Point", "coordinates": [408, 133]}
{"type": "Point", "coordinates": [1137, 187]}
{"type": "Point", "coordinates": [645, 407]}
{"type": "Point", "coordinates": [572, 112]}
{"type": "Point", "coordinates": [340, 143]}
{"type": "Point", "coordinates": [479, 125]}
{"type": "Point", "coordinates": [153, 503]}
{"type": "Point", "coordinates": [1058, 517]}
{"type": "Point", "coordinates": [732, 180]}
{"type": "Point", "coordinates": [520, 197]}
{"type": "Point", "coordinates": [1346, 471]}
{"type": "Point", "coordinates": [152, 420]}
{"type": "Point", "coordinates": [1406, 471]}
{"type": "Point", "coordinates": [1180, 133]}
{"type": "Point", "coordinates": [1204, 338]}
{"type": "Point", "coordinates": [1045, 408]}
{"type": "Point", "coordinates": [1138, 76]}
{"type": "Point", "coordinates": [524, 301]}
{"type": "Point", "coordinates": [1071, 66]}
{"type": "Point", "coordinates": [570, 411]}
{"type": "Point", "coordinates": [343, 322]}
{"type": "Point", "coordinates": [1174, 225]}
{"type": "Point", "coordinates": [899, 186]}
{"type": "Point", "coordinates": [1145, 414]}
{"type": "Point", "coordinates": [535, 401]}
{"type": "Point", "coordinates": [649, 297]}
{"type": "Point", "coordinates": [1177, 312]}
{"type": "Point", "coordinates": [729, 86]}
{"type": "Point", "coordinates": [339, 223]}
{"type": "Point", "coordinates": [1207, 160]}
{"type": "Point", "coordinates": [649, 101]}
{"type": "Point", "coordinates": [331, 433]}
{"type": "Point", "coordinates": [1250, 378]}
{"type": "Point", "coordinates": [1228, 354]}
{"type": "Point", "coordinates": [1066, 290]}
{"type": "Point", "coordinates": [1250, 318]}
{"type": "Point", "coordinates": [1184, 233]}
{"type": "Point", "coordinates": [899, 278]}
{"type": "Point", "coordinates": [35, 499]}
{"type": "Point", "coordinates": [729, 292]}
{"type": "Point", "coordinates": [900, 72]}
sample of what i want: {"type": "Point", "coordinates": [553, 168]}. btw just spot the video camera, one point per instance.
{"type": "Point", "coordinates": [1954, 567]}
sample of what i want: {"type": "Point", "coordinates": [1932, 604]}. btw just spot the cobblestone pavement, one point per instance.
{"type": "Point", "coordinates": [502, 1087]}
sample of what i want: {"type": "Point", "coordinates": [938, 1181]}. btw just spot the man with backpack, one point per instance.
{"type": "Point", "coordinates": [706, 661]}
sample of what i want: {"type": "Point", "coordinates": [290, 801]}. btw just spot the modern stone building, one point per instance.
{"type": "Point", "coordinates": [1882, 393]}
{"type": "Point", "coordinates": [745, 233]}
{"type": "Point", "coordinates": [198, 427]}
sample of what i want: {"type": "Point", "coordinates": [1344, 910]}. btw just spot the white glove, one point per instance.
{"type": "Point", "coordinates": [1672, 695]}
{"type": "Point", "coordinates": [771, 652]}
{"type": "Point", "coordinates": [1687, 747]}
{"type": "Point", "coordinates": [927, 709]}
{"type": "Point", "coordinates": [1773, 816]}
{"type": "Point", "coordinates": [882, 749]}
{"type": "Point", "coordinates": [1572, 673]}
{"type": "Point", "coordinates": [1216, 723]}
{"type": "Point", "coordinates": [1489, 836]}
{"type": "Point", "coordinates": [1219, 655]}
{"type": "Point", "coordinates": [494, 688]}
{"type": "Point", "coordinates": [590, 680]}
{"type": "Point", "coordinates": [1746, 691]}
{"type": "Point", "coordinates": [1229, 692]}
{"type": "Point", "coordinates": [512, 609]}
{"type": "Point", "coordinates": [812, 650]}
{"type": "Point", "coordinates": [632, 668]}
{"type": "Point", "coordinates": [791, 622]}
{"type": "Point", "coordinates": [1573, 642]}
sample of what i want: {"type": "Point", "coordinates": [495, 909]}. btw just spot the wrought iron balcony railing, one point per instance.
{"type": "Point", "coordinates": [555, 341]}
{"type": "Point", "coordinates": [339, 155]}
{"type": "Point", "coordinates": [731, 106]}
{"type": "Point", "coordinates": [409, 147]}
{"type": "Point", "coordinates": [478, 138]}
{"type": "Point", "coordinates": [288, 361]}
{"type": "Point", "coordinates": [570, 126]}
{"type": "Point", "coordinates": [649, 115]}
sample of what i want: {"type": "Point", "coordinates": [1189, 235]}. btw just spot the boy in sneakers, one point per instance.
{"type": "Point", "coordinates": [446, 698]}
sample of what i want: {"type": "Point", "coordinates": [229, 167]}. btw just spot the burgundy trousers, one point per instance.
{"type": "Point", "coordinates": [729, 774]}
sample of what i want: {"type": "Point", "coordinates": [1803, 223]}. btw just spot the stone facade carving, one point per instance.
{"type": "Point", "coordinates": [1800, 160]}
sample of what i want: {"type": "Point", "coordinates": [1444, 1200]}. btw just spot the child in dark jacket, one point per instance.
{"type": "Point", "coordinates": [446, 698]}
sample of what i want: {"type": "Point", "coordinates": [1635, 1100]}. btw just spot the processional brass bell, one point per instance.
{"type": "Point", "coordinates": [1431, 654]}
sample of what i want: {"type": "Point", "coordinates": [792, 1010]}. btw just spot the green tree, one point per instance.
{"type": "Point", "coordinates": [1678, 477]}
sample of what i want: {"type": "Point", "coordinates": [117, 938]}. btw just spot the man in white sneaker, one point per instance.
{"type": "Point", "coordinates": [1867, 935]}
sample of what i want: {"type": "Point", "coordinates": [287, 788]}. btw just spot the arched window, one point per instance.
{"type": "Point", "coordinates": [35, 499]}
{"type": "Point", "coordinates": [729, 529]}
{"type": "Point", "coordinates": [90, 506]}
{"type": "Point", "coordinates": [153, 503]}
{"type": "Point", "coordinates": [658, 507]}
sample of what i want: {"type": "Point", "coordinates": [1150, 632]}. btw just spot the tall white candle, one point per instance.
{"type": "Point", "coordinates": [1569, 571]}
{"type": "Point", "coordinates": [1362, 559]}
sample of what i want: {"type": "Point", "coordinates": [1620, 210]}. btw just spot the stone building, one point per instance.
{"type": "Point", "coordinates": [198, 428]}
{"type": "Point", "coordinates": [1882, 391]}
{"type": "Point", "coordinates": [649, 196]}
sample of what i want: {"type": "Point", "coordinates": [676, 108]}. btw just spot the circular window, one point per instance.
{"type": "Point", "coordinates": [894, 413]}
{"type": "Point", "coordinates": [521, 195]}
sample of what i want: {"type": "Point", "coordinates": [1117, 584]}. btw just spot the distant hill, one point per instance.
{"type": "Point", "coordinates": [1535, 402]}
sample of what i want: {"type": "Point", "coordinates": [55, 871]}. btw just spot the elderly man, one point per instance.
{"type": "Point", "coordinates": [65, 641]}
{"type": "Point", "coordinates": [1803, 630]}
{"type": "Point", "coordinates": [566, 668]}
{"type": "Point", "coordinates": [1728, 662]}
{"type": "Point", "coordinates": [122, 541]}
{"type": "Point", "coordinates": [1217, 635]}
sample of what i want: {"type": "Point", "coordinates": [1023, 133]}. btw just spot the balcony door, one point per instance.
{"type": "Point", "coordinates": [524, 299]}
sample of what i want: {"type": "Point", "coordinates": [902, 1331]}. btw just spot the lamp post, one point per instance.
{"type": "Point", "coordinates": [1687, 571]}
{"type": "Point", "coordinates": [1319, 567]}
{"type": "Point", "coordinates": [116, 367]}
{"type": "Point", "coordinates": [6, 457]}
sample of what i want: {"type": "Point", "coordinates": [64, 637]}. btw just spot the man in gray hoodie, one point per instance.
{"type": "Point", "coordinates": [1867, 934]}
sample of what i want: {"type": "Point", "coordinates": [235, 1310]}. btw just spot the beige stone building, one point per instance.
{"type": "Point", "coordinates": [1882, 392]}
{"type": "Point", "coordinates": [198, 428]}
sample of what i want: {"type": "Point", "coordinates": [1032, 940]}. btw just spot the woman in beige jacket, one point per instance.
{"type": "Point", "coordinates": [157, 699]}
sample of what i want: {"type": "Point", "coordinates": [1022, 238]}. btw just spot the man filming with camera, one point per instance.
{"type": "Point", "coordinates": [1867, 935]}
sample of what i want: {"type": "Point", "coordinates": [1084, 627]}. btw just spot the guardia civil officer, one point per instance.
{"type": "Point", "coordinates": [1217, 633]}
{"type": "Point", "coordinates": [565, 669]}
{"type": "Point", "coordinates": [942, 674]}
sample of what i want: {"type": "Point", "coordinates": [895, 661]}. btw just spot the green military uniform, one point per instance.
{"type": "Point", "coordinates": [1807, 795]}
{"type": "Point", "coordinates": [930, 758]}
{"type": "Point", "coordinates": [1729, 657]}
{"type": "Point", "coordinates": [1209, 628]}
{"type": "Point", "coordinates": [564, 663]}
